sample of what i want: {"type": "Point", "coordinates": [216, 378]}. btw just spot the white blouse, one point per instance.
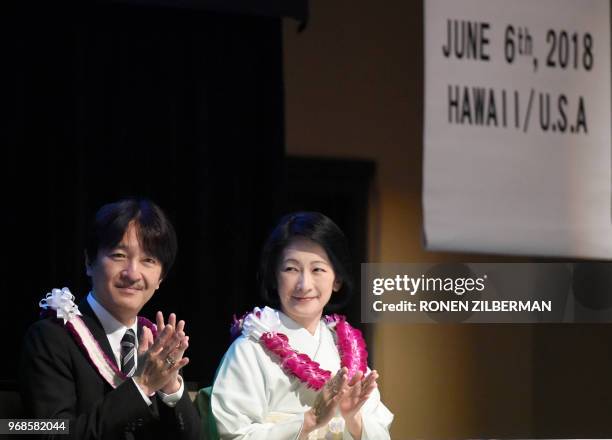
{"type": "Point", "coordinates": [253, 398]}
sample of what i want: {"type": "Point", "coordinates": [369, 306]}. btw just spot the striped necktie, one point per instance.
{"type": "Point", "coordinates": [128, 353]}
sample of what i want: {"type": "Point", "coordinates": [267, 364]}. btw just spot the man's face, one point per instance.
{"type": "Point", "coordinates": [125, 277]}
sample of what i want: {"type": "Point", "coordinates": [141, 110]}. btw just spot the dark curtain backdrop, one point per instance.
{"type": "Point", "coordinates": [297, 9]}
{"type": "Point", "coordinates": [102, 101]}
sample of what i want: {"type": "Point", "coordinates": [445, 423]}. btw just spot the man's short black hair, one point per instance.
{"type": "Point", "coordinates": [321, 230]}
{"type": "Point", "coordinates": [154, 231]}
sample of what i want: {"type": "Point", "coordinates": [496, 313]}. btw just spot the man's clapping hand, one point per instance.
{"type": "Point", "coordinates": [160, 360]}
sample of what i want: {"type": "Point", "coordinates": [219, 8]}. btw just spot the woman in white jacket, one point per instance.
{"type": "Point", "coordinates": [295, 374]}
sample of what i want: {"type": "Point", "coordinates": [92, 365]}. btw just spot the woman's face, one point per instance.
{"type": "Point", "coordinates": [305, 279]}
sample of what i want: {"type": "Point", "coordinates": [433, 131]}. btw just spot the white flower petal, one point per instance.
{"type": "Point", "coordinates": [62, 301]}
{"type": "Point", "coordinates": [267, 321]}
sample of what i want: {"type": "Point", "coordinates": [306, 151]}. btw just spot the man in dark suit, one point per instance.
{"type": "Point", "coordinates": [113, 374]}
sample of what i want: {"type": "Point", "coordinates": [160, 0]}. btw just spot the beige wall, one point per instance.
{"type": "Point", "coordinates": [354, 89]}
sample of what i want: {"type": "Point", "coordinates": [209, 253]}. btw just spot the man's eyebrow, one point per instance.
{"type": "Point", "coordinates": [120, 246]}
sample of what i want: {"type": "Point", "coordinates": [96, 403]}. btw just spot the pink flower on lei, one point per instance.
{"type": "Point", "coordinates": [352, 348]}
{"type": "Point", "coordinates": [262, 325]}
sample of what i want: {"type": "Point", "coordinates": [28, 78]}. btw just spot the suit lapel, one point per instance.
{"type": "Point", "coordinates": [95, 327]}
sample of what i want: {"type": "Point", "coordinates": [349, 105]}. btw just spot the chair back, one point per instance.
{"type": "Point", "coordinates": [209, 426]}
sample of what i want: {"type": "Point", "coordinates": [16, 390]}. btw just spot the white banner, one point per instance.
{"type": "Point", "coordinates": [517, 127]}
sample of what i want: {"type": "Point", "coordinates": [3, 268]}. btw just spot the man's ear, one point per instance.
{"type": "Point", "coordinates": [87, 265]}
{"type": "Point", "coordinates": [159, 283]}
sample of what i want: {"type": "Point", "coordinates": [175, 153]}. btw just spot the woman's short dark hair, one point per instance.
{"type": "Point", "coordinates": [155, 232]}
{"type": "Point", "coordinates": [321, 230]}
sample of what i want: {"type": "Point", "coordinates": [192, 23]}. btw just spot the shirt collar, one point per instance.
{"type": "Point", "coordinates": [113, 329]}
{"type": "Point", "coordinates": [296, 328]}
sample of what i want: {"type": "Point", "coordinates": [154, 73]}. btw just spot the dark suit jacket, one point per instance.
{"type": "Point", "coordinates": [59, 381]}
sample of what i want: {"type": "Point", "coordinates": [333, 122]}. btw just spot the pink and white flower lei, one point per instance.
{"type": "Point", "coordinates": [261, 324]}
{"type": "Point", "coordinates": [59, 304]}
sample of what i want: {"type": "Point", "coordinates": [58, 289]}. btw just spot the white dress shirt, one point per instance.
{"type": "Point", "coordinates": [114, 331]}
